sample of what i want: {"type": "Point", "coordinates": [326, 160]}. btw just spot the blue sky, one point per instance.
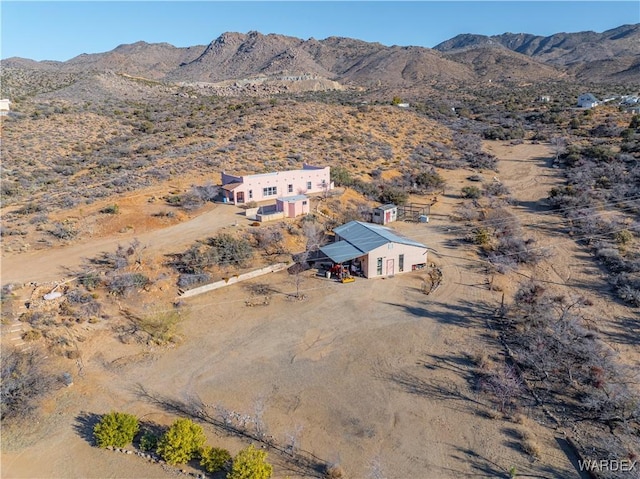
{"type": "Point", "coordinates": [61, 30]}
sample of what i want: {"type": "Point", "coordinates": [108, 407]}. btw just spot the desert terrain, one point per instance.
{"type": "Point", "coordinates": [512, 353]}
{"type": "Point", "coordinates": [374, 375]}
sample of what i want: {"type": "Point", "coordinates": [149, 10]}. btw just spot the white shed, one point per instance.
{"type": "Point", "coordinates": [385, 214]}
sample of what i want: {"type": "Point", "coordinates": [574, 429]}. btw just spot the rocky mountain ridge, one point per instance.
{"type": "Point", "coordinates": [283, 62]}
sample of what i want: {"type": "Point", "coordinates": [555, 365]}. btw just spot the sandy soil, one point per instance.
{"type": "Point", "coordinates": [371, 372]}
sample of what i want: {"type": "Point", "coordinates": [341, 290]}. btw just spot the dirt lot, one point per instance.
{"type": "Point", "coordinates": [375, 374]}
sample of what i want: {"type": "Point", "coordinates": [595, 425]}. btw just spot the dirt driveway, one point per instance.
{"type": "Point", "coordinates": [50, 264]}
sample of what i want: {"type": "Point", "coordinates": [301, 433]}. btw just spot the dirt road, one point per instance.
{"type": "Point", "coordinates": [53, 264]}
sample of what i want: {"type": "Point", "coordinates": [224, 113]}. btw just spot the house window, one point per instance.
{"type": "Point", "coordinates": [304, 203]}
{"type": "Point", "coordinates": [379, 268]}
{"type": "Point", "coordinates": [401, 263]}
{"type": "Point", "coordinates": [308, 185]}
{"type": "Point", "coordinates": [290, 188]}
{"type": "Point", "coordinates": [270, 191]}
{"type": "Point", "coordinates": [250, 194]}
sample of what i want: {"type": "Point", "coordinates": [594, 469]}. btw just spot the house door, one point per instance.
{"type": "Point", "coordinates": [240, 197]}
{"type": "Point", "coordinates": [387, 218]}
{"type": "Point", "coordinates": [390, 267]}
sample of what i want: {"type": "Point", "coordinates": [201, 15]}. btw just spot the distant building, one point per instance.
{"type": "Point", "coordinates": [544, 99]}
{"type": "Point", "coordinates": [271, 186]}
{"type": "Point", "coordinates": [5, 107]}
{"type": "Point", "coordinates": [629, 100]}
{"type": "Point", "coordinates": [587, 100]}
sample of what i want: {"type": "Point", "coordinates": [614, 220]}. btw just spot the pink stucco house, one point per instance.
{"type": "Point", "coordinates": [280, 184]}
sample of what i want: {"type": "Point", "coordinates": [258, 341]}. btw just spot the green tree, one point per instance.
{"type": "Point", "coordinates": [250, 463]}
{"type": "Point", "coordinates": [341, 176]}
{"type": "Point", "coordinates": [182, 442]}
{"type": "Point", "coordinates": [115, 429]}
{"type": "Point", "coordinates": [213, 458]}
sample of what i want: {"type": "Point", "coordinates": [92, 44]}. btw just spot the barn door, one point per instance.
{"type": "Point", "coordinates": [390, 267]}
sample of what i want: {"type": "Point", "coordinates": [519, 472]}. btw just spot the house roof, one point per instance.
{"type": "Point", "coordinates": [292, 199]}
{"type": "Point", "coordinates": [358, 238]}
{"type": "Point", "coordinates": [587, 97]}
{"type": "Point", "coordinates": [341, 251]}
{"type": "Point", "coordinates": [230, 186]}
{"type": "Point", "coordinates": [389, 206]}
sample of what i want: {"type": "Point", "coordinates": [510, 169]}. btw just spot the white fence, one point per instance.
{"type": "Point", "coordinates": [234, 279]}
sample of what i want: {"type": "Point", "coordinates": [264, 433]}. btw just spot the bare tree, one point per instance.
{"type": "Point", "coordinates": [23, 383]}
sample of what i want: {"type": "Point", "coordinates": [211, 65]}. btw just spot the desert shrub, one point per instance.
{"type": "Point", "coordinates": [190, 200]}
{"type": "Point", "coordinates": [504, 385]}
{"type": "Point", "coordinates": [391, 194]}
{"type": "Point", "coordinates": [110, 210]}
{"type": "Point", "coordinates": [624, 237]}
{"type": "Point", "coordinates": [482, 160]}
{"type": "Point", "coordinates": [160, 327]}
{"type": "Point", "coordinates": [89, 280]}
{"type": "Point", "coordinates": [269, 239]}
{"type": "Point", "coordinates": [482, 237]}
{"type": "Point", "coordinates": [124, 283]}
{"type": "Point", "coordinates": [552, 342]}
{"type": "Point", "coordinates": [31, 335]}
{"type": "Point", "coordinates": [186, 281]}
{"type": "Point", "coordinates": [333, 471]}
{"type": "Point", "coordinates": [148, 441]}
{"type": "Point", "coordinates": [39, 219]}
{"type": "Point", "coordinates": [30, 208]}
{"type": "Point", "coordinates": [250, 463]}
{"type": "Point", "coordinates": [63, 231]}
{"type": "Point", "coordinates": [182, 442]}
{"type": "Point", "coordinates": [227, 249]}
{"type": "Point", "coordinates": [495, 133]}
{"type": "Point", "coordinates": [194, 260]}
{"type": "Point", "coordinates": [115, 429]}
{"type": "Point", "coordinates": [429, 180]}
{"type": "Point", "coordinates": [531, 446]}
{"type": "Point", "coordinates": [23, 382]}
{"type": "Point", "coordinates": [472, 192]}
{"type": "Point", "coordinates": [214, 459]}
{"type": "Point", "coordinates": [119, 259]}
{"type": "Point", "coordinates": [495, 189]}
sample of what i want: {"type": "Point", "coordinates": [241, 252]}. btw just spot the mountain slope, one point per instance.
{"type": "Point", "coordinates": [493, 61]}
{"type": "Point", "coordinates": [606, 56]}
{"type": "Point", "coordinates": [235, 60]}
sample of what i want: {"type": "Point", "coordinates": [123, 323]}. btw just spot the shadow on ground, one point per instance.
{"type": "Point", "coordinates": [84, 424]}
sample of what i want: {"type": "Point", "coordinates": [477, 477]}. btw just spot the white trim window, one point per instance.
{"type": "Point", "coordinates": [270, 191]}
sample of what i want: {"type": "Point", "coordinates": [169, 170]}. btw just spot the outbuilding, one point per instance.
{"type": "Point", "coordinates": [293, 206]}
{"type": "Point", "coordinates": [372, 250]}
{"type": "Point", "coordinates": [385, 214]}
